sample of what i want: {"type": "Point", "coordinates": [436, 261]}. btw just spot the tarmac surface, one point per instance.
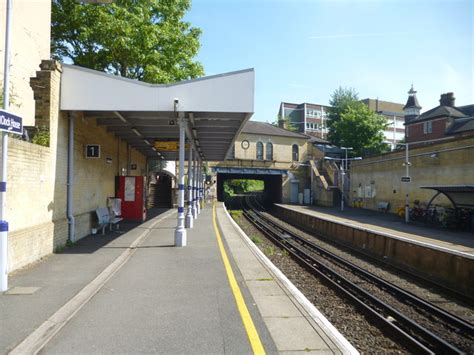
{"type": "Point", "coordinates": [135, 292]}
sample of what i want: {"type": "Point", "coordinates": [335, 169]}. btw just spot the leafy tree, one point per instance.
{"type": "Point", "coordinates": [352, 124]}
{"type": "Point", "coordinates": [286, 123]}
{"type": "Point", "coordinates": [145, 40]}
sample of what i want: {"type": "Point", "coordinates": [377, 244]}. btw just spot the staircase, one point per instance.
{"type": "Point", "coordinates": [160, 195]}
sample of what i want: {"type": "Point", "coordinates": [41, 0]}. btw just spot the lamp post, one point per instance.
{"type": "Point", "coordinates": [3, 181]}
{"type": "Point", "coordinates": [343, 173]}
{"type": "Point", "coordinates": [407, 181]}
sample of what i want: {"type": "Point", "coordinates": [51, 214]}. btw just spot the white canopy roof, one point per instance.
{"type": "Point", "coordinates": [217, 107]}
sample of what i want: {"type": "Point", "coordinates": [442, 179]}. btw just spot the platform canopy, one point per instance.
{"type": "Point", "coordinates": [459, 195]}
{"type": "Point", "coordinates": [142, 114]}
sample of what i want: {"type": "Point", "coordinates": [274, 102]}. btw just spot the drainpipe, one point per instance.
{"type": "Point", "coordinates": [70, 180]}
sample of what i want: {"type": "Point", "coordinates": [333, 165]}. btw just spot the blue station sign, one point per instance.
{"type": "Point", "coordinates": [10, 123]}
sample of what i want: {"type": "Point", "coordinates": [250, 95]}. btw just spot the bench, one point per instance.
{"type": "Point", "coordinates": [105, 218]}
{"type": "Point", "coordinates": [383, 206]}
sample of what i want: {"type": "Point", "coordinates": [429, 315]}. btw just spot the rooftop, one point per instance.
{"type": "Point", "coordinates": [254, 127]}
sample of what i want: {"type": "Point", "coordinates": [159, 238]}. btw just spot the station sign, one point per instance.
{"type": "Point", "coordinates": [406, 179]}
{"type": "Point", "coordinates": [92, 151]}
{"type": "Point", "coordinates": [10, 123]}
{"type": "Point", "coordinates": [168, 146]}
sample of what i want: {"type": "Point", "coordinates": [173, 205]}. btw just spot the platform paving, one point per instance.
{"type": "Point", "coordinates": [153, 297]}
{"type": "Point", "coordinates": [393, 225]}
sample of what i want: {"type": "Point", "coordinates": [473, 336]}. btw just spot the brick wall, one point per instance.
{"type": "Point", "coordinates": [416, 133]}
{"type": "Point", "coordinates": [448, 163]}
{"type": "Point", "coordinates": [37, 176]}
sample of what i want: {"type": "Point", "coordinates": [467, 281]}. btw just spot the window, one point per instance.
{"type": "Point", "coordinates": [427, 127]}
{"type": "Point", "coordinates": [269, 151]}
{"type": "Point", "coordinates": [295, 153]}
{"type": "Point", "coordinates": [259, 151]}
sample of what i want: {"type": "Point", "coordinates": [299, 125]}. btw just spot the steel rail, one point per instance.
{"type": "Point", "coordinates": [392, 319]}
{"type": "Point", "coordinates": [393, 289]}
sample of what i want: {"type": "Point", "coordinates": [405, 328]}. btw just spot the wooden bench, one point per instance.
{"type": "Point", "coordinates": [383, 206]}
{"type": "Point", "coordinates": [105, 218]}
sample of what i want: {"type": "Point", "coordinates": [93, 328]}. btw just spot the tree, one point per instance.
{"type": "Point", "coordinates": [352, 124]}
{"type": "Point", "coordinates": [286, 123]}
{"type": "Point", "coordinates": [139, 39]}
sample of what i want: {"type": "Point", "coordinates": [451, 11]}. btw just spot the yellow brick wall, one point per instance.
{"type": "Point", "coordinates": [450, 163]}
{"type": "Point", "coordinates": [37, 179]}
{"type": "Point", "coordinates": [282, 152]}
{"type": "Point", "coordinates": [30, 42]}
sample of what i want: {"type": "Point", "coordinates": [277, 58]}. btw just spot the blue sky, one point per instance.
{"type": "Point", "coordinates": [303, 50]}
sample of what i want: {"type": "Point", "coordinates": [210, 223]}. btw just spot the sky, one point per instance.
{"type": "Point", "coordinates": [303, 50]}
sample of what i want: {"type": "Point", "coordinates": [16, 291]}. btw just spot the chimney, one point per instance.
{"type": "Point", "coordinates": [447, 99]}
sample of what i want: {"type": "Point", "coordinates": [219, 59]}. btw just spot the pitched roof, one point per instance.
{"type": "Point", "coordinates": [412, 102]}
{"type": "Point", "coordinates": [461, 125]}
{"type": "Point", "coordinates": [253, 127]}
{"type": "Point", "coordinates": [438, 111]}
{"type": "Point", "coordinates": [467, 109]}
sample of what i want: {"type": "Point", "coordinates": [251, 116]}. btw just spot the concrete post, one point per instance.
{"type": "Point", "coordinates": [189, 215]}
{"type": "Point", "coordinates": [200, 188]}
{"type": "Point", "coordinates": [195, 180]}
{"type": "Point", "coordinates": [180, 232]}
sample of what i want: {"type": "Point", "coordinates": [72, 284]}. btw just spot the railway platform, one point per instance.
{"type": "Point", "coordinates": [390, 224]}
{"type": "Point", "coordinates": [135, 292]}
{"type": "Point", "coordinates": [443, 256]}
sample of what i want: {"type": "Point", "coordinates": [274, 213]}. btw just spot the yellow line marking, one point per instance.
{"type": "Point", "coordinates": [252, 334]}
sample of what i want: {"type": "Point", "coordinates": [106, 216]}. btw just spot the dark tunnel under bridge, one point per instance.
{"type": "Point", "coordinates": [272, 179]}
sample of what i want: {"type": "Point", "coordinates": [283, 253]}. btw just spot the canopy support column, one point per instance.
{"type": "Point", "coordinates": [180, 232]}
{"type": "Point", "coordinates": [200, 189]}
{"type": "Point", "coordinates": [189, 215]}
{"type": "Point", "coordinates": [194, 191]}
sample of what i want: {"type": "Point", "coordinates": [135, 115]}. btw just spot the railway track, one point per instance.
{"type": "Point", "coordinates": [412, 327]}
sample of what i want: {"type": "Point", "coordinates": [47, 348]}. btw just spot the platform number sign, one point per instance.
{"type": "Point", "coordinates": [92, 151]}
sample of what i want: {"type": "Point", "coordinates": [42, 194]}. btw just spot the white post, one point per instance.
{"type": "Point", "coordinates": [195, 181]}
{"type": "Point", "coordinates": [199, 191]}
{"type": "Point", "coordinates": [3, 181]}
{"type": "Point", "coordinates": [189, 215]}
{"type": "Point", "coordinates": [180, 232]}
{"type": "Point", "coordinates": [342, 186]}
{"type": "Point", "coordinates": [407, 172]}
{"type": "Point", "coordinates": [198, 186]}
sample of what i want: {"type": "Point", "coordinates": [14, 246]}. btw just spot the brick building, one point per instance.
{"type": "Point", "coordinates": [443, 121]}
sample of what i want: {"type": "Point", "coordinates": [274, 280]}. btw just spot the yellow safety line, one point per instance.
{"type": "Point", "coordinates": [252, 334]}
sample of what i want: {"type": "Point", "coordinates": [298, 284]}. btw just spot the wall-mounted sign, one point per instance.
{"type": "Point", "coordinates": [92, 151]}
{"type": "Point", "coordinates": [108, 160]}
{"type": "Point", "coordinates": [168, 146]}
{"type": "Point", "coordinates": [10, 123]}
{"type": "Point", "coordinates": [133, 167]}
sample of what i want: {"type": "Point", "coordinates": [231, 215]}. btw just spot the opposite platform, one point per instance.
{"type": "Point", "coordinates": [442, 256]}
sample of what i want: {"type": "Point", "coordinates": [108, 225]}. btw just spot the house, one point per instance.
{"type": "Point", "coordinates": [441, 122]}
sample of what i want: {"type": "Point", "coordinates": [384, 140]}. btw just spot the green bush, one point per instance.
{"type": "Point", "coordinates": [41, 136]}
